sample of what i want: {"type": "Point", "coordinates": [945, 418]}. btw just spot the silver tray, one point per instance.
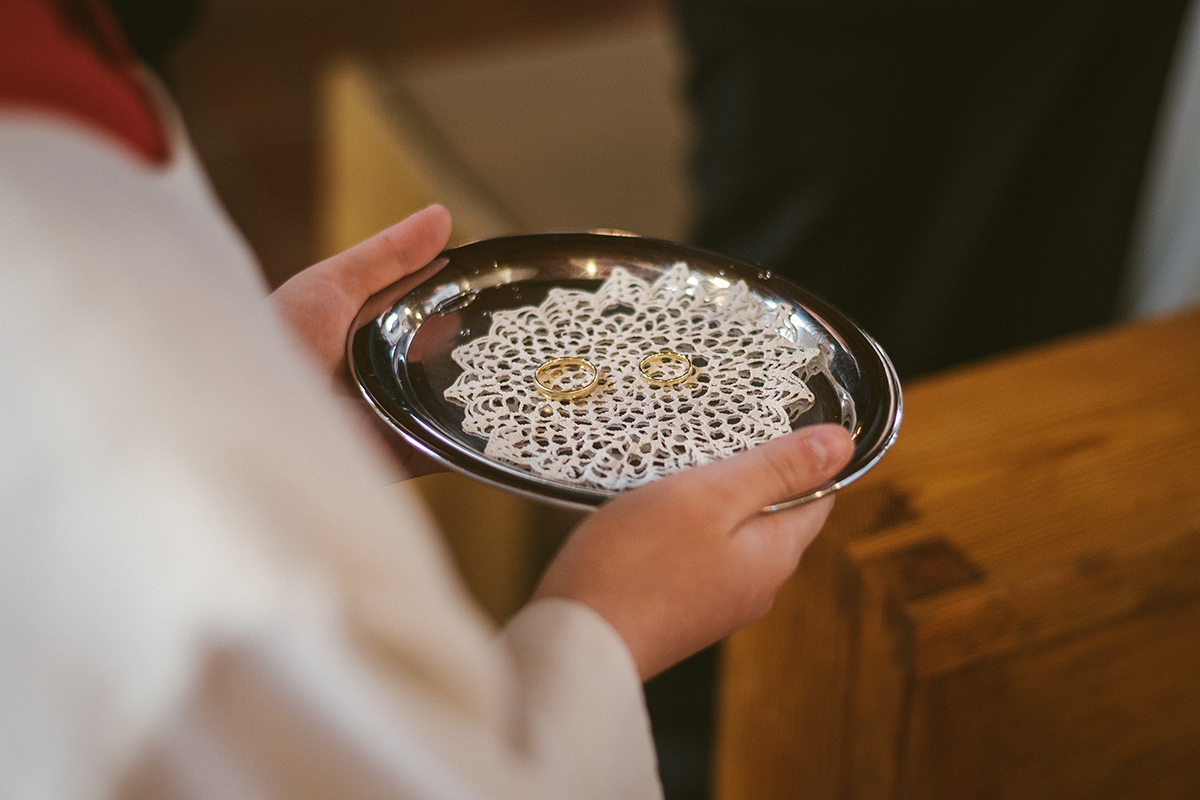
{"type": "Point", "coordinates": [400, 344]}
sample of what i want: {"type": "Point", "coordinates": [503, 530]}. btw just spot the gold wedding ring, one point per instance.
{"type": "Point", "coordinates": [652, 369]}
{"type": "Point", "coordinates": [561, 367]}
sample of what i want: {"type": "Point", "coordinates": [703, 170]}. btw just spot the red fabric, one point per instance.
{"type": "Point", "coordinates": [68, 57]}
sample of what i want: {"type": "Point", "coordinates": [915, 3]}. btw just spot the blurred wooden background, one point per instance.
{"type": "Point", "coordinates": [247, 83]}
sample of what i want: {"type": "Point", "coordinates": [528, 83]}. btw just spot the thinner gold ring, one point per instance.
{"type": "Point", "coordinates": [652, 369]}
{"type": "Point", "coordinates": [561, 367]}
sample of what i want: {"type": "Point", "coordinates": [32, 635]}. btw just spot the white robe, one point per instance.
{"type": "Point", "coordinates": [207, 587]}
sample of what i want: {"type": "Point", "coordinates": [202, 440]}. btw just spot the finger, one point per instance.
{"type": "Point", "coordinates": [394, 252]}
{"type": "Point", "coordinates": [773, 472]}
{"type": "Point", "coordinates": [772, 544]}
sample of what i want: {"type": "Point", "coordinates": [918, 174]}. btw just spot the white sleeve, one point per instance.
{"type": "Point", "coordinates": [581, 680]}
{"type": "Point", "coordinates": [206, 588]}
{"type": "Point", "coordinates": [290, 716]}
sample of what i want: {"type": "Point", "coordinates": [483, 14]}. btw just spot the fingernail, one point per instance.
{"type": "Point", "coordinates": [822, 441]}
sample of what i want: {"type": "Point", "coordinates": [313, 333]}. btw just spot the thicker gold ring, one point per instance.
{"type": "Point", "coordinates": [565, 363]}
{"type": "Point", "coordinates": [666, 357]}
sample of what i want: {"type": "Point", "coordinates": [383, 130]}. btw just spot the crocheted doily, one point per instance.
{"type": "Point", "coordinates": [748, 384]}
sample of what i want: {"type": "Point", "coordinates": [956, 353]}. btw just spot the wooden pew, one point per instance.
{"type": "Point", "coordinates": [1008, 606]}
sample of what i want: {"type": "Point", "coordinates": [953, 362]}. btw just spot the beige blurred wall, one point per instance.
{"type": "Point", "coordinates": [574, 132]}
{"type": "Point", "coordinates": [246, 81]}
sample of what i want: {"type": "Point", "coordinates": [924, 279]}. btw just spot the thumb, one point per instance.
{"type": "Point", "coordinates": [777, 470]}
{"type": "Point", "coordinates": [396, 251]}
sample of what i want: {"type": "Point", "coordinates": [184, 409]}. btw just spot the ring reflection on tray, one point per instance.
{"type": "Point", "coordinates": [400, 347]}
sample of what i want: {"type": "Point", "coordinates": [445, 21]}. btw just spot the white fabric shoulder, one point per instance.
{"type": "Point", "coordinates": [182, 501]}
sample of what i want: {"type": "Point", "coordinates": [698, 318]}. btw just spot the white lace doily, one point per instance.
{"type": "Point", "coordinates": [749, 379]}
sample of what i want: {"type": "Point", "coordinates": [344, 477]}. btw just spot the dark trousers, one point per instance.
{"type": "Point", "coordinates": [959, 178]}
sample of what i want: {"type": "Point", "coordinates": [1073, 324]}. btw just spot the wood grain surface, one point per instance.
{"type": "Point", "coordinates": [1008, 606]}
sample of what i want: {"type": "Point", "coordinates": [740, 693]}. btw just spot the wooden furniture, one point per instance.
{"type": "Point", "coordinates": [571, 133]}
{"type": "Point", "coordinates": [1008, 606]}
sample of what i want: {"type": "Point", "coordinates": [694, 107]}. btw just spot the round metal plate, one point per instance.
{"type": "Point", "coordinates": [400, 347]}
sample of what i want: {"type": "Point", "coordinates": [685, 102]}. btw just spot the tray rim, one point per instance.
{"type": "Point", "coordinates": [401, 417]}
